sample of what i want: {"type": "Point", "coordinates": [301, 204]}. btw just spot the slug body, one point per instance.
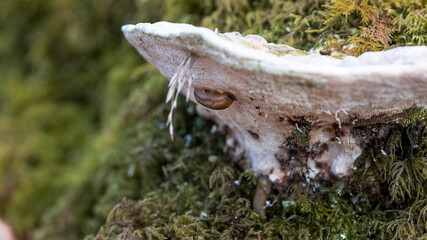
{"type": "Point", "coordinates": [327, 52]}
{"type": "Point", "coordinates": [213, 99]}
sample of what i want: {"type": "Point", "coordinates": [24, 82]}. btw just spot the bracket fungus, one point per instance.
{"type": "Point", "coordinates": [286, 109]}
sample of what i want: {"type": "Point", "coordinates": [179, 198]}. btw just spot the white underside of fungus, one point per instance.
{"type": "Point", "coordinates": [273, 92]}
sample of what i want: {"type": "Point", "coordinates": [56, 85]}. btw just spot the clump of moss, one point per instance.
{"type": "Point", "coordinates": [64, 79]}
{"type": "Point", "coordinates": [203, 194]}
{"type": "Point", "coordinates": [376, 25]}
{"type": "Point", "coordinates": [348, 26]}
{"type": "Point", "coordinates": [277, 21]}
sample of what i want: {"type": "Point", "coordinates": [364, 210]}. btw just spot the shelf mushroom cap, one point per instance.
{"type": "Point", "coordinates": [277, 87]}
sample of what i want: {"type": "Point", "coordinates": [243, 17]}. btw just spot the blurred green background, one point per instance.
{"type": "Point", "coordinates": [65, 73]}
{"type": "Point", "coordinates": [82, 116]}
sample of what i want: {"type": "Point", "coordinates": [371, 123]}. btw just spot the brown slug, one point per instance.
{"type": "Point", "coordinates": [327, 52]}
{"type": "Point", "coordinates": [213, 99]}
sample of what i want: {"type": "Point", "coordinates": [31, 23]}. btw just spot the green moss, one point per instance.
{"type": "Point", "coordinates": [350, 26]}
{"type": "Point", "coordinates": [210, 197]}
{"type": "Point", "coordinates": [277, 21]}
{"type": "Point", "coordinates": [376, 25]}
{"type": "Point", "coordinates": [82, 128]}
{"type": "Point", "coordinates": [301, 134]}
{"type": "Point", "coordinates": [413, 116]}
